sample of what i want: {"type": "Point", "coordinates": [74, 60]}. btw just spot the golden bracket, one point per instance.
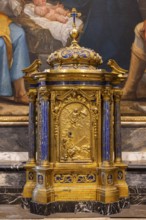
{"type": "Point", "coordinates": [116, 68]}
{"type": "Point", "coordinates": [33, 68]}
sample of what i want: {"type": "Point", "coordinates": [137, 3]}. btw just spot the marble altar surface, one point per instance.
{"type": "Point", "coordinates": [16, 212]}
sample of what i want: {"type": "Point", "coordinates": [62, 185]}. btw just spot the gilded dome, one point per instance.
{"type": "Point", "coordinates": [74, 56]}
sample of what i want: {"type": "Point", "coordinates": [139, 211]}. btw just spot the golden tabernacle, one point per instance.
{"type": "Point", "coordinates": [74, 133]}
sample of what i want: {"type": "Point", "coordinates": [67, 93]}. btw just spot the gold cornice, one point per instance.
{"type": "Point", "coordinates": [76, 71]}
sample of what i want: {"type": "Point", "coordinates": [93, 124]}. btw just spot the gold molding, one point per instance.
{"type": "Point", "coordinates": [23, 120]}
{"type": "Point", "coordinates": [133, 118]}
{"type": "Point", "coordinates": [13, 120]}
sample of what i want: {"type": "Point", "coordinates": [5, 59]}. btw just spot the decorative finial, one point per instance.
{"type": "Point", "coordinates": [74, 33]}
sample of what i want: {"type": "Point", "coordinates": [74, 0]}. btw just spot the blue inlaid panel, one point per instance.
{"type": "Point", "coordinates": [33, 85]}
{"type": "Point", "coordinates": [42, 83]}
{"type": "Point", "coordinates": [106, 131]}
{"type": "Point", "coordinates": [84, 83]}
{"type": "Point", "coordinates": [44, 129]}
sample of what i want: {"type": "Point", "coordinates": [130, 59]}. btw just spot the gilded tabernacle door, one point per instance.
{"type": "Point", "coordinates": [75, 125]}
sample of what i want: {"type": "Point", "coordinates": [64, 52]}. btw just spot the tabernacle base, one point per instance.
{"type": "Point", "coordinates": [82, 206]}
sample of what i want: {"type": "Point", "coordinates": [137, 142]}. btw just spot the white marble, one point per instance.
{"type": "Point", "coordinates": [134, 156]}
{"type": "Point", "coordinates": [13, 156]}
{"type": "Point", "coordinates": [23, 156]}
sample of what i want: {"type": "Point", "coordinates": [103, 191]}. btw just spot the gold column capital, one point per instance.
{"type": "Point", "coordinates": [106, 94]}
{"type": "Point", "coordinates": [44, 93]}
{"type": "Point", "coordinates": [32, 94]}
{"type": "Point", "coordinates": [117, 94]}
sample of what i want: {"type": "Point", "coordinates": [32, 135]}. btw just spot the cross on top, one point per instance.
{"type": "Point", "coordinates": [74, 14]}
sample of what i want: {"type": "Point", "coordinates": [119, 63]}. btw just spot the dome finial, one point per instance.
{"type": "Point", "coordinates": [74, 33]}
{"type": "Point", "coordinates": [74, 56]}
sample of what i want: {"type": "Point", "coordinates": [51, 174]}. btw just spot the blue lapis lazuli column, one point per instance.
{"type": "Point", "coordinates": [117, 129]}
{"type": "Point", "coordinates": [106, 131]}
{"type": "Point", "coordinates": [44, 111]}
{"type": "Point", "coordinates": [32, 130]}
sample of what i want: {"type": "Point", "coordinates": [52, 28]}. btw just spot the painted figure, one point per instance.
{"type": "Point", "coordinates": [138, 62]}
{"type": "Point", "coordinates": [13, 58]}
{"type": "Point", "coordinates": [51, 12]}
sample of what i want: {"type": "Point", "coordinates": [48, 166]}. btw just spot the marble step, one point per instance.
{"type": "Point", "coordinates": [12, 180]}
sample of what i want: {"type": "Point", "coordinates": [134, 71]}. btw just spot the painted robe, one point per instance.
{"type": "Point", "coordinates": [20, 59]}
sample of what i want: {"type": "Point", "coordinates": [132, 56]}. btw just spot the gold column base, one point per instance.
{"type": "Point", "coordinates": [43, 192]}
{"type": "Point", "coordinates": [120, 179]}
{"type": "Point", "coordinates": [43, 195]}
{"type": "Point", "coordinates": [107, 195]}
{"type": "Point", "coordinates": [30, 179]}
{"type": "Point", "coordinates": [107, 192]}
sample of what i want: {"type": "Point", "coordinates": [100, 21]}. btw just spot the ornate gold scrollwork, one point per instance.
{"type": "Point", "coordinates": [75, 178]}
{"type": "Point", "coordinates": [76, 95]}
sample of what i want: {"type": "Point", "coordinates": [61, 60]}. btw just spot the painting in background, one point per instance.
{"type": "Point", "coordinates": [105, 26]}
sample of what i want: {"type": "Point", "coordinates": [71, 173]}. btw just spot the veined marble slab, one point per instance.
{"type": "Point", "coordinates": [3, 181]}
{"type": "Point", "coordinates": [12, 179]}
